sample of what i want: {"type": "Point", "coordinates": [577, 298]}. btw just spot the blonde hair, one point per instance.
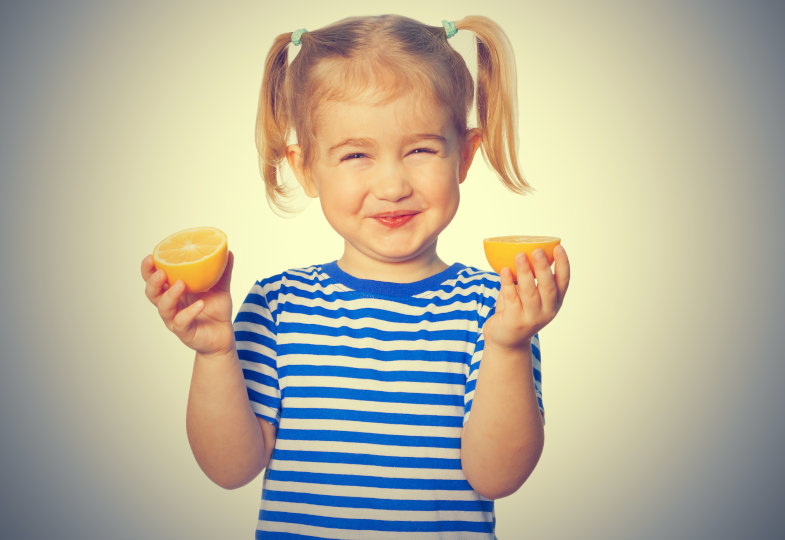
{"type": "Point", "coordinates": [382, 57]}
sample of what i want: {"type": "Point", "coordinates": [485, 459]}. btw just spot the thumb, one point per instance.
{"type": "Point", "coordinates": [226, 277]}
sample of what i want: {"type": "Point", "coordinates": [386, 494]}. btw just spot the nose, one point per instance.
{"type": "Point", "coordinates": [391, 183]}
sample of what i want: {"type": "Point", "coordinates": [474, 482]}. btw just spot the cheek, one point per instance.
{"type": "Point", "coordinates": [340, 198]}
{"type": "Point", "coordinates": [443, 188]}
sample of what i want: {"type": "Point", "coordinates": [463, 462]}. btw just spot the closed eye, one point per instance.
{"type": "Point", "coordinates": [423, 151]}
{"type": "Point", "coordinates": [355, 155]}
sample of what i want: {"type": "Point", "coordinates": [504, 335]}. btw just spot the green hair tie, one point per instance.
{"type": "Point", "coordinates": [297, 34]}
{"type": "Point", "coordinates": [449, 28]}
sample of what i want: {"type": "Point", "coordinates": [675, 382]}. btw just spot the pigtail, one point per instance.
{"type": "Point", "coordinates": [497, 101]}
{"type": "Point", "coordinates": [272, 124]}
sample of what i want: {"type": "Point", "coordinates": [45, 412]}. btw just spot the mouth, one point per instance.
{"type": "Point", "coordinates": [394, 219]}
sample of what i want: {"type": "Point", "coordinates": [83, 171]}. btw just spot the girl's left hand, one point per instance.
{"type": "Point", "coordinates": [523, 309]}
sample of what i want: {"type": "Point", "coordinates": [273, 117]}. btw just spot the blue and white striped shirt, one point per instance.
{"type": "Point", "coordinates": [369, 385]}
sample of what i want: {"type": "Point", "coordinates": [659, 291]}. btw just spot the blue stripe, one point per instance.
{"type": "Point", "coordinates": [461, 293]}
{"type": "Point", "coordinates": [355, 394]}
{"type": "Point", "coordinates": [277, 535]}
{"type": "Point", "coordinates": [535, 351]}
{"type": "Point", "coordinates": [260, 378]}
{"type": "Point", "coordinates": [337, 501]}
{"type": "Point", "coordinates": [375, 524]}
{"type": "Point", "coordinates": [427, 484]}
{"type": "Point", "coordinates": [369, 438]}
{"type": "Point", "coordinates": [374, 333]}
{"type": "Point", "coordinates": [368, 459]}
{"type": "Point", "coordinates": [431, 420]}
{"type": "Point", "coordinates": [252, 337]}
{"type": "Point", "coordinates": [255, 357]}
{"type": "Point", "coordinates": [262, 399]}
{"type": "Point", "coordinates": [304, 370]}
{"type": "Point", "coordinates": [304, 349]}
{"type": "Point", "coordinates": [382, 315]}
{"type": "Point", "coordinates": [257, 299]}
{"type": "Point", "coordinates": [254, 318]}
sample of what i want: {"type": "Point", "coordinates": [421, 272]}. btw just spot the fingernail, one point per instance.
{"type": "Point", "coordinates": [539, 255]}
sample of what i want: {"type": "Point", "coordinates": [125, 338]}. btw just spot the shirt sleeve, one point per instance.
{"type": "Point", "coordinates": [255, 334]}
{"type": "Point", "coordinates": [474, 367]}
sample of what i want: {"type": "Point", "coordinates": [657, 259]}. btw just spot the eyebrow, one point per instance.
{"type": "Point", "coordinates": [425, 136]}
{"type": "Point", "coordinates": [350, 142]}
{"type": "Point", "coordinates": [363, 142]}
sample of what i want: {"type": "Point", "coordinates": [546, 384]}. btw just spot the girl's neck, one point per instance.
{"type": "Point", "coordinates": [409, 271]}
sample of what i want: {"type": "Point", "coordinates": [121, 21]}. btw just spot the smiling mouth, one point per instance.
{"type": "Point", "coordinates": [394, 220]}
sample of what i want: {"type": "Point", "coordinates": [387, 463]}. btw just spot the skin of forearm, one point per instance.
{"type": "Point", "coordinates": [223, 431]}
{"type": "Point", "coordinates": [503, 438]}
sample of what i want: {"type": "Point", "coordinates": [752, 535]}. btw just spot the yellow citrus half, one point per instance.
{"type": "Point", "coordinates": [501, 250]}
{"type": "Point", "coordinates": [197, 256]}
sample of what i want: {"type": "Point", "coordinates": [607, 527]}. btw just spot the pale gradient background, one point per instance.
{"type": "Point", "coordinates": [654, 133]}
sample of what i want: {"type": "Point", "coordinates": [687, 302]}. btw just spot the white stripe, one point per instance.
{"type": "Point", "coordinates": [313, 283]}
{"type": "Point", "coordinates": [373, 449]}
{"type": "Point", "coordinates": [372, 492]}
{"type": "Point", "coordinates": [373, 471]}
{"type": "Point", "coordinates": [316, 381]}
{"type": "Point", "coordinates": [371, 513]}
{"type": "Point", "coordinates": [373, 428]}
{"type": "Point", "coordinates": [252, 327]}
{"type": "Point", "coordinates": [373, 406]}
{"type": "Point", "coordinates": [253, 346]}
{"type": "Point", "coordinates": [367, 322]}
{"type": "Point", "coordinates": [373, 343]}
{"type": "Point", "coordinates": [262, 388]}
{"type": "Point", "coordinates": [264, 410]}
{"type": "Point", "coordinates": [259, 367]}
{"type": "Point", "coordinates": [379, 304]}
{"type": "Point", "coordinates": [435, 366]}
{"type": "Point", "coordinates": [341, 534]}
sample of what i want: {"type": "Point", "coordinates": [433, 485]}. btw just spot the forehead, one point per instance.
{"type": "Point", "coordinates": [402, 116]}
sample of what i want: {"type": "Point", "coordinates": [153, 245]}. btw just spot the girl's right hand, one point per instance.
{"type": "Point", "coordinates": [202, 321]}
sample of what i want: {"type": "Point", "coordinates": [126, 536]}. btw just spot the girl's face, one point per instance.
{"type": "Point", "coordinates": [388, 180]}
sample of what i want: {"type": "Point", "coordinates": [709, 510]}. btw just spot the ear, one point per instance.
{"type": "Point", "coordinates": [294, 155]}
{"type": "Point", "coordinates": [471, 142]}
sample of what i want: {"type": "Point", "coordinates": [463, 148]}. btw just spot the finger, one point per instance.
{"type": "Point", "coordinates": [169, 300]}
{"type": "Point", "coordinates": [527, 289]}
{"type": "Point", "coordinates": [546, 285]}
{"type": "Point", "coordinates": [155, 286]}
{"type": "Point", "coordinates": [561, 270]}
{"type": "Point", "coordinates": [540, 265]}
{"type": "Point", "coordinates": [185, 317]}
{"type": "Point", "coordinates": [226, 277]}
{"type": "Point", "coordinates": [148, 267]}
{"type": "Point", "coordinates": [507, 294]}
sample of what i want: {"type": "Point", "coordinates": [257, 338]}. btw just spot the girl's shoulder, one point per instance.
{"type": "Point", "coordinates": [303, 277]}
{"type": "Point", "coordinates": [470, 277]}
{"type": "Point", "coordinates": [328, 281]}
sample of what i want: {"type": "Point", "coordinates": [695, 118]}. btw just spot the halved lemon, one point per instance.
{"type": "Point", "coordinates": [198, 256]}
{"type": "Point", "coordinates": [501, 250]}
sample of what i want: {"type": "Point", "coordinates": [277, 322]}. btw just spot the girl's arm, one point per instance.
{"type": "Point", "coordinates": [503, 438]}
{"type": "Point", "coordinates": [230, 443]}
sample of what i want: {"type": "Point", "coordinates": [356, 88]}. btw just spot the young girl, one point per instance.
{"type": "Point", "coordinates": [386, 394]}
